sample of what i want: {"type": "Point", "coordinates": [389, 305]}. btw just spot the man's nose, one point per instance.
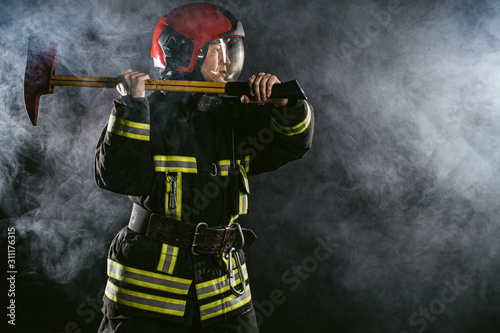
{"type": "Point", "coordinates": [225, 60]}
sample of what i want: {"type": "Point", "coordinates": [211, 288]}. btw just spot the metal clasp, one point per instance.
{"type": "Point", "coordinates": [214, 170]}
{"type": "Point", "coordinates": [234, 253]}
{"type": "Point", "coordinates": [241, 235]}
{"type": "Point", "coordinates": [196, 233]}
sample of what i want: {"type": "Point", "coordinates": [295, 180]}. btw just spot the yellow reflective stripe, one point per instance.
{"type": "Point", "coordinates": [129, 123]}
{"type": "Point", "coordinates": [223, 287]}
{"type": "Point", "coordinates": [168, 258]}
{"type": "Point", "coordinates": [148, 279]}
{"type": "Point", "coordinates": [174, 260]}
{"type": "Point", "coordinates": [178, 207]}
{"type": "Point", "coordinates": [129, 135]}
{"type": "Point", "coordinates": [188, 159]}
{"type": "Point", "coordinates": [243, 197]}
{"type": "Point", "coordinates": [297, 129]}
{"type": "Point", "coordinates": [163, 257]}
{"type": "Point", "coordinates": [211, 282]}
{"type": "Point", "coordinates": [128, 129]}
{"type": "Point", "coordinates": [171, 163]}
{"type": "Point", "coordinates": [225, 164]}
{"type": "Point", "coordinates": [224, 167]}
{"type": "Point", "coordinates": [225, 305]}
{"type": "Point", "coordinates": [245, 179]}
{"type": "Point", "coordinates": [243, 200]}
{"type": "Point", "coordinates": [243, 207]}
{"type": "Point", "coordinates": [246, 163]}
{"type": "Point", "coordinates": [233, 218]}
{"type": "Point", "coordinates": [219, 285]}
{"type": "Point", "coordinates": [218, 280]}
{"type": "Point", "coordinates": [144, 301]}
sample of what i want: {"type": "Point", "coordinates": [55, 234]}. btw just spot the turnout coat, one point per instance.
{"type": "Point", "coordinates": [188, 157]}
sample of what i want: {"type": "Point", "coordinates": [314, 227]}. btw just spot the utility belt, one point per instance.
{"type": "Point", "coordinates": [198, 238]}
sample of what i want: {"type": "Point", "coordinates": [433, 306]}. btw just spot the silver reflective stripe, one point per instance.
{"type": "Point", "coordinates": [225, 305]}
{"type": "Point", "coordinates": [168, 258]}
{"type": "Point", "coordinates": [144, 301]}
{"type": "Point", "coordinates": [243, 208]}
{"type": "Point", "coordinates": [148, 279]}
{"type": "Point", "coordinates": [225, 164]}
{"type": "Point", "coordinates": [224, 167]}
{"type": "Point", "coordinates": [219, 285]}
{"type": "Point", "coordinates": [246, 162]}
{"type": "Point", "coordinates": [128, 129]}
{"type": "Point", "coordinates": [293, 130]}
{"type": "Point", "coordinates": [164, 163]}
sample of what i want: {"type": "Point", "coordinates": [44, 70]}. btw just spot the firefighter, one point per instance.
{"type": "Point", "coordinates": [184, 159]}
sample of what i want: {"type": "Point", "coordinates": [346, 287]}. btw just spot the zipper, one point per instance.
{"type": "Point", "coordinates": [172, 194]}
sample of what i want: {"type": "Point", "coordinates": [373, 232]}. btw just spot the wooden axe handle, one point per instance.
{"type": "Point", "coordinates": [289, 89]}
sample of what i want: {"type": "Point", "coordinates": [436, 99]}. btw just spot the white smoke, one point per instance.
{"type": "Point", "coordinates": [403, 175]}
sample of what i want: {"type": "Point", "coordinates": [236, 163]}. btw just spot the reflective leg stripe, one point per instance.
{"type": "Point", "coordinates": [218, 286]}
{"type": "Point", "coordinates": [142, 278]}
{"type": "Point", "coordinates": [226, 301]}
{"type": "Point", "coordinates": [293, 130]}
{"type": "Point", "coordinates": [168, 258]}
{"type": "Point", "coordinates": [225, 305]}
{"type": "Point", "coordinates": [128, 129]}
{"type": "Point", "coordinates": [144, 301]}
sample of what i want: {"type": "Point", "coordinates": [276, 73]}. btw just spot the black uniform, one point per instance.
{"type": "Point", "coordinates": [188, 157]}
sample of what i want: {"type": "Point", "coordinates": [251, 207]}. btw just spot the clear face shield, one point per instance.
{"type": "Point", "coordinates": [224, 60]}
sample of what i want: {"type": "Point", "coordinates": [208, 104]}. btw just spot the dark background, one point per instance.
{"type": "Point", "coordinates": [389, 224]}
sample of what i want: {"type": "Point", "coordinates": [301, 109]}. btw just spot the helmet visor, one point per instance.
{"type": "Point", "coordinates": [224, 60]}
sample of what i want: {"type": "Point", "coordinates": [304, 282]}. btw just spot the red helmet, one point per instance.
{"type": "Point", "coordinates": [182, 38]}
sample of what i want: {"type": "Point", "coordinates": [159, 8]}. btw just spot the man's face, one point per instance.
{"type": "Point", "coordinates": [214, 67]}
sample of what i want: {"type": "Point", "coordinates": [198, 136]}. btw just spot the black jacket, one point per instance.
{"type": "Point", "coordinates": [188, 158]}
{"type": "Point", "coordinates": [229, 135]}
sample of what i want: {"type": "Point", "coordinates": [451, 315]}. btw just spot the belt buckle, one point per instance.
{"type": "Point", "coordinates": [233, 252]}
{"type": "Point", "coordinates": [195, 234]}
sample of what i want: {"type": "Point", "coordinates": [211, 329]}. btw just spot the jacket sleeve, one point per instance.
{"type": "Point", "coordinates": [123, 161]}
{"type": "Point", "coordinates": [276, 136]}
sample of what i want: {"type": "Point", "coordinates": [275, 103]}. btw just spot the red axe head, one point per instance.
{"type": "Point", "coordinates": [41, 64]}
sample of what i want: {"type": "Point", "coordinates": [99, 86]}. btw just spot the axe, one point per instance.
{"type": "Point", "coordinates": [40, 79]}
